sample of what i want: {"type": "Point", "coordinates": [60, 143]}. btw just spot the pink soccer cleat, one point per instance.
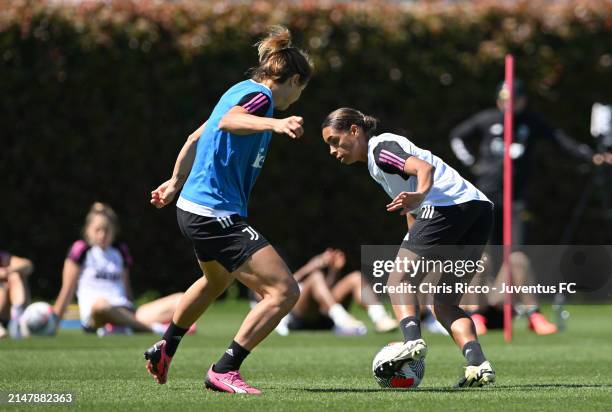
{"type": "Point", "coordinates": [540, 325]}
{"type": "Point", "coordinates": [158, 362]}
{"type": "Point", "coordinates": [230, 382]}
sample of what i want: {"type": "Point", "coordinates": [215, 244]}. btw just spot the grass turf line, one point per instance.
{"type": "Point", "coordinates": [318, 371]}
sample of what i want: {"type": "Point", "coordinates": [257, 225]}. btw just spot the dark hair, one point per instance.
{"type": "Point", "coordinates": [342, 119]}
{"type": "Point", "coordinates": [278, 60]}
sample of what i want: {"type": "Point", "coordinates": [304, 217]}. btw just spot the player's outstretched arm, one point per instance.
{"type": "Point", "coordinates": [318, 262]}
{"type": "Point", "coordinates": [466, 131]}
{"type": "Point", "coordinates": [70, 275]}
{"type": "Point", "coordinates": [240, 121]}
{"type": "Point", "coordinates": [165, 193]}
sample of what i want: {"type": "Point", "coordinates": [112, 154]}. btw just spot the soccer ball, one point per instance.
{"type": "Point", "coordinates": [409, 376]}
{"type": "Point", "coordinates": [38, 319]}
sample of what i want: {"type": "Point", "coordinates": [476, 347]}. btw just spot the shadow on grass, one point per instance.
{"type": "Point", "coordinates": [538, 386]}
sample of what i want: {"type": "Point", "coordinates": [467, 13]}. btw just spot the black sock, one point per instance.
{"type": "Point", "coordinates": [411, 328]}
{"type": "Point", "coordinates": [173, 337]}
{"type": "Point", "coordinates": [231, 359]}
{"type": "Point", "coordinates": [473, 353]}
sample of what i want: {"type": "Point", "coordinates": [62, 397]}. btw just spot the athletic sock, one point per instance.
{"type": "Point", "coordinates": [173, 336]}
{"type": "Point", "coordinates": [14, 327]}
{"type": "Point", "coordinates": [531, 309]}
{"type": "Point", "coordinates": [17, 311]}
{"type": "Point", "coordinates": [159, 328]}
{"type": "Point", "coordinates": [231, 359]}
{"type": "Point", "coordinates": [411, 328]}
{"type": "Point", "coordinates": [377, 313]}
{"type": "Point", "coordinates": [338, 314]}
{"type": "Point", "coordinates": [473, 353]}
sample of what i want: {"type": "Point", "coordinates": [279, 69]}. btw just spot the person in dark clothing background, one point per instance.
{"type": "Point", "coordinates": [486, 129]}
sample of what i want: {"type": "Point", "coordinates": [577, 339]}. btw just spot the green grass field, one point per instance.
{"type": "Point", "coordinates": [319, 371]}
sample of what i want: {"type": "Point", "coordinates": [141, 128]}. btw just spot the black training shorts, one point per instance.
{"type": "Point", "coordinates": [228, 240]}
{"type": "Point", "coordinates": [467, 223]}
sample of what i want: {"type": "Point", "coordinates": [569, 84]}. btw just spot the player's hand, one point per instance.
{"type": "Point", "coordinates": [56, 320]}
{"type": "Point", "coordinates": [405, 202]}
{"type": "Point", "coordinates": [601, 158]}
{"type": "Point", "coordinates": [164, 194]}
{"type": "Point", "coordinates": [291, 126]}
{"type": "Point", "coordinates": [323, 259]}
{"type": "Point", "coordinates": [339, 260]}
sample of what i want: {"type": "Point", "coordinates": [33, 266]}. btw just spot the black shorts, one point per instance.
{"type": "Point", "coordinates": [467, 223]}
{"type": "Point", "coordinates": [457, 232]}
{"type": "Point", "coordinates": [228, 240]}
{"type": "Point", "coordinates": [494, 316]}
{"type": "Point", "coordinates": [321, 322]}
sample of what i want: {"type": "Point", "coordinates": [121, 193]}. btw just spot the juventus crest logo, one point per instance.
{"type": "Point", "coordinates": [252, 232]}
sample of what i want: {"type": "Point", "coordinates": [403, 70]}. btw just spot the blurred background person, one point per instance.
{"type": "Point", "coordinates": [97, 269]}
{"type": "Point", "coordinates": [485, 130]}
{"type": "Point", "coordinates": [14, 292]}
{"type": "Point", "coordinates": [325, 296]}
{"type": "Point", "coordinates": [489, 312]}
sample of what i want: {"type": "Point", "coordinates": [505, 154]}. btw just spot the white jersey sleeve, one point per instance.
{"type": "Point", "coordinates": [387, 154]}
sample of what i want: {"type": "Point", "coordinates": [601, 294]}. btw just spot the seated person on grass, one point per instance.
{"type": "Point", "coordinates": [325, 295]}
{"type": "Point", "coordinates": [14, 293]}
{"type": "Point", "coordinates": [98, 271]}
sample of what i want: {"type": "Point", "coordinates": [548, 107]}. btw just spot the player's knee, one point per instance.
{"type": "Point", "coordinates": [316, 277]}
{"type": "Point", "coordinates": [292, 293]}
{"type": "Point", "coordinates": [29, 268]}
{"type": "Point", "coordinates": [354, 277]}
{"type": "Point", "coordinates": [288, 294]}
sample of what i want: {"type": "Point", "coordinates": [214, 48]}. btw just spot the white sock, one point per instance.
{"type": "Point", "coordinates": [283, 326]}
{"type": "Point", "coordinates": [338, 314]}
{"type": "Point", "coordinates": [377, 313]}
{"type": "Point", "coordinates": [17, 311]}
{"type": "Point", "coordinates": [159, 328]}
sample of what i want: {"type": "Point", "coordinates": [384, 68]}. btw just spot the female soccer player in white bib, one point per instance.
{"type": "Point", "coordinates": [217, 168]}
{"type": "Point", "coordinates": [97, 269]}
{"type": "Point", "coordinates": [451, 212]}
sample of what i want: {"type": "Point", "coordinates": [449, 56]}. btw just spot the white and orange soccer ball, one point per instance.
{"type": "Point", "coordinates": [409, 376]}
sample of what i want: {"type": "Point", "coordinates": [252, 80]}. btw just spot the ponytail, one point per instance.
{"type": "Point", "coordinates": [279, 60]}
{"type": "Point", "coordinates": [279, 38]}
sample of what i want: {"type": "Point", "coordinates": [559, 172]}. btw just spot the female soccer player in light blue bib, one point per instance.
{"type": "Point", "coordinates": [217, 168]}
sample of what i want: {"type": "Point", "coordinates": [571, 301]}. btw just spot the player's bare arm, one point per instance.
{"type": "Point", "coordinates": [239, 121]}
{"type": "Point", "coordinates": [165, 192]}
{"type": "Point", "coordinates": [70, 276]}
{"type": "Point", "coordinates": [407, 201]}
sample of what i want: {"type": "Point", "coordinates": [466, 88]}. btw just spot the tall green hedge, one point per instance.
{"type": "Point", "coordinates": [96, 99]}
